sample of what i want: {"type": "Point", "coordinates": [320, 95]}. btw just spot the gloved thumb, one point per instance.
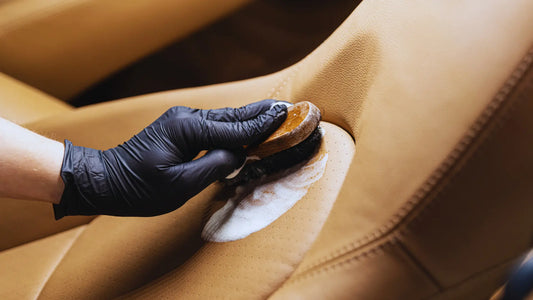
{"type": "Point", "coordinates": [194, 176]}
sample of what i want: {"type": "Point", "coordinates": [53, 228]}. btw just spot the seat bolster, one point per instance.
{"type": "Point", "coordinates": [20, 103]}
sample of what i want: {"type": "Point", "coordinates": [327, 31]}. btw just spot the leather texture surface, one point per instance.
{"type": "Point", "coordinates": [63, 46]}
{"type": "Point", "coordinates": [436, 200]}
{"type": "Point", "coordinates": [26, 268]}
{"type": "Point", "coordinates": [25, 221]}
{"type": "Point", "coordinates": [21, 103]}
{"type": "Point", "coordinates": [251, 267]}
{"type": "Point", "coordinates": [425, 99]}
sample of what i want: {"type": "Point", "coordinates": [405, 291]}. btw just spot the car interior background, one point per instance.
{"type": "Point", "coordinates": [426, 108]}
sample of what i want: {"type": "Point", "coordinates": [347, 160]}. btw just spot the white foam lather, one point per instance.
{"type": "Point", "coordinates": [243, 214]}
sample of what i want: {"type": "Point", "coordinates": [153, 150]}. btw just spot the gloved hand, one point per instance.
{"type": "Point", "coordinates": [153, 173]}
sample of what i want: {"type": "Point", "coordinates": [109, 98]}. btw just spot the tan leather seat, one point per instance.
{"type": "Point", "coordinates": [21, 103]}
{"type": "Point", "coordinates": [62, 47]}
{"type": "Point", "coordinates": [435, 202]}
{"type": "Point", "coordinates": [42, 255]}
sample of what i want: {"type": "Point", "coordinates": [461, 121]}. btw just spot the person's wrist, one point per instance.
{"type": "Point", "coordinates": [85, 182]}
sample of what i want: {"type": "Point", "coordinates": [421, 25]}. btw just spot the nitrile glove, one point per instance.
{"type": "Point", "coordinates": [153, 173]}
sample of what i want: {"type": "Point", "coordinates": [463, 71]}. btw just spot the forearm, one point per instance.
{"type": "Point", "coordinates": [30, 164]}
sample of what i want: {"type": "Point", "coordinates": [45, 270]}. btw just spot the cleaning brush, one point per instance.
{"type": "Point", "coordinates": [293, 143]}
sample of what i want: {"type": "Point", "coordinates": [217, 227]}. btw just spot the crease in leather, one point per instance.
{"type": "Point", "coordinates": [392, 242]}
{"type": "Point", "coordinates": [372, 250]}
{"type": "Point", "coordinates": [420, 265]}
{"type": "Point", "coordinates": [67, 249]}
{"type": "Point", "coordinates": [476, 276]}
{"type": "Point", "coordinates": [437, 180]}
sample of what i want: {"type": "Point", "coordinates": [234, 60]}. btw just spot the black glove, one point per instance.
{"type": "Point", "coordinates": [153, 173]}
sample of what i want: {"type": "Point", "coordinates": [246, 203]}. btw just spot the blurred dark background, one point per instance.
{"type": "Point", "coordinates": [263, 37]}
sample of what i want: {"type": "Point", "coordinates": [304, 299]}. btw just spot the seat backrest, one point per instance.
{"type": "Point", "coordinates": [437, 95]}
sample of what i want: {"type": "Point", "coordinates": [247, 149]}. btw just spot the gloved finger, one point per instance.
{"type": "Point", "coordinates": [243, 113]}
{"type": "Point", "coordinates": [176, 112]}
{"type": "Point", "coordinates": [230, 135]}
{"type": "Point", "coordinates": [194, 176]}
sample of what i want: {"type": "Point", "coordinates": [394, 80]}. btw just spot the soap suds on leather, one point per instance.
{"type": "Point", "coordinates": [252, 210]}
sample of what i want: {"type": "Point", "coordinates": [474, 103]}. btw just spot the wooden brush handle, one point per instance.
{"type": "Point", "coordinates": [302, 119]}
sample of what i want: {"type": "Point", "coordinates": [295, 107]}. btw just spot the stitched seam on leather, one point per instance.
{"type": "Point", "coordinates": [275, 88]}
{"type": "Point", "coordinates": [326, 268]}
{"type": "Point", "coordinates": [59, 260]}
{"type": "Point", "coordinates": [481, 123]}
{"type": "Point", "coordinates": [434, 180]}
{"type": "Point", "coordinates": [478, 142]}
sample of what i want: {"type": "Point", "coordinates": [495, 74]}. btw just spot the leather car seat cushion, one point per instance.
{"type": "Point", "coordinates": [21, 103]}
{"type": "Point", "coordinates": [170, 246]}
{"type": "Point", "coordinates": [23, 221]}
{"type": "Point", "coordinates": [26, 268]}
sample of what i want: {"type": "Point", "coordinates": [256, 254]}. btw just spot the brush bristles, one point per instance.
{"type": "Point", "coordinates": [280, 161]}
